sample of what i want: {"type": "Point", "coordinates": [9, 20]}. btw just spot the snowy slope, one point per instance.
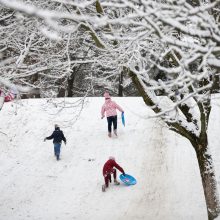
{"type": "Point", "coordinates": [35, 186]}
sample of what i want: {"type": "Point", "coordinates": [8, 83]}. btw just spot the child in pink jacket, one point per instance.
{"type": "Point", "coordinates": [110, 109]}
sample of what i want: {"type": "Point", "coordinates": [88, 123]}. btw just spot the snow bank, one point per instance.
{"type": "Point", "coordinates": [35, 186]}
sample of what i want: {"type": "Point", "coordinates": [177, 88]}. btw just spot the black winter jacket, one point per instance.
{"type": "Point", "coordinates": [57, 136]}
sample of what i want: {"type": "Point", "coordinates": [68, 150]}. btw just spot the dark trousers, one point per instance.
{"type": "Point", "coordinates": [108, 178]}
{"type": "Point", "coordinates": [112, 120]}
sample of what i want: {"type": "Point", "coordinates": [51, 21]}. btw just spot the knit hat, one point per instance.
{"type": "Point", "coordinates": [106, 95]}
{"type": "Point", "coordinates": [111, 158]}
{"type": "Point", "coordinates": [56, 126]}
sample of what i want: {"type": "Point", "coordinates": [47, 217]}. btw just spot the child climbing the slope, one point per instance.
{"type": "Point", "coordinates": [109, 108]}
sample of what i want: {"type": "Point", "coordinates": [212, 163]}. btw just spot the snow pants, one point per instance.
{"type": "Point", "coordinates": [108, 178]}
{"type": "Point", "coordinates": [57, 149]}
{"type": "Point", "coordinates": [112, 120]}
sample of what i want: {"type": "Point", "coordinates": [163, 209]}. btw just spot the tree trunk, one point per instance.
{"type": "Point", "coordinates": [208, 180]}
{"type": "Point", "coordinates": [120, 87]}
{"type": "Point", "coordinates": [70, 83]}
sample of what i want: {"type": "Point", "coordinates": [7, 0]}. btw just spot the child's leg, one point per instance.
{"type": "Point", "coordinates": [114, 173]}
{"type": "Point", "coordinates": [57, 150]}
{"type": "Point", "coordinates": [114, 119]}
{"type": "Point", "coordinates": [115, 125]}
{"type": "Point", "coordinates": [110, 120]}
{"type": "Point", "coordinates": [106, 180]}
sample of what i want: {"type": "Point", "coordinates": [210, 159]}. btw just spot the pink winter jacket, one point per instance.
{"type": "Point", "coordinates": [110, 108]}
{"type": "Point", "coordinates": [7, 98]}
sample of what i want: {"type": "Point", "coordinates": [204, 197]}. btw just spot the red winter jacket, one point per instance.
{"type": "Point", "coordinates": [109, 165]}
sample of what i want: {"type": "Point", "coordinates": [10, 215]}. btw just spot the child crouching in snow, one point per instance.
{"type": "Point", "coordinates": [110, 108]}
{"type": "Point", "coordinates": [108, 169]}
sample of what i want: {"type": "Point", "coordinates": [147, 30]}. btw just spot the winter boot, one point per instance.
{"type": "Point", "coordinates": [116, 182]}
{"type": "Point", "coordinates": [109, 134]}
{"type": "Point", "coordinates": [115, 132]}
{"type": "Point", "coordinates": [103, 188]}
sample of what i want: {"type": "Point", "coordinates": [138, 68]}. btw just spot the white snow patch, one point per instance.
{"type": "Point", "coordinates": [35, 186]}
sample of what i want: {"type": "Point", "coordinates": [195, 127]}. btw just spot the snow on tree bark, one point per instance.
{"type": "Point", "coordinates": [208, 180]}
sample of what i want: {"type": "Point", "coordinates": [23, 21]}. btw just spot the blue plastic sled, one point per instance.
{"type": "Point", "coordinates": [123, 118]}
{"type": "Point", "coordinates": [128, 179]}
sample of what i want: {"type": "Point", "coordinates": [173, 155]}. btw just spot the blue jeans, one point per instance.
{"type": "Point", "coordinates": [57, 149]}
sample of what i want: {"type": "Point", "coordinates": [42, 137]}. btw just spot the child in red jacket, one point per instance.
{"type": "Point", "coordinates": [108, 169]}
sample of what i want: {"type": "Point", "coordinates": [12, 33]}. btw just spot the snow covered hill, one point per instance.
{"type": "Point", "coordinates": [34, 186]}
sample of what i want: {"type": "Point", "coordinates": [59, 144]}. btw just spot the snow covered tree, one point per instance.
{"type": "Point", "coordinates": [51, 55]}
{"type": "Point", "coordinates": [37, 59]}
{"type": "Point", "coordinates": [181, 42]}
{"type": "Point", "coordinates": [169, 49]}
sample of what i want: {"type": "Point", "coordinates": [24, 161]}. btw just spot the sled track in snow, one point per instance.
{"type": "Point", "coordinates": [154, 169]}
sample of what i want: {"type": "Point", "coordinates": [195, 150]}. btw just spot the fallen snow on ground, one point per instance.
{"type": "Point", "coordinates": [34, 186]}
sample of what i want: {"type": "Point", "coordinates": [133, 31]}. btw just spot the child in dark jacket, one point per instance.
{"type": "Point", "coordinates": [57, 137]}
{"type": "Point", "coordinates": [108, 169]}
